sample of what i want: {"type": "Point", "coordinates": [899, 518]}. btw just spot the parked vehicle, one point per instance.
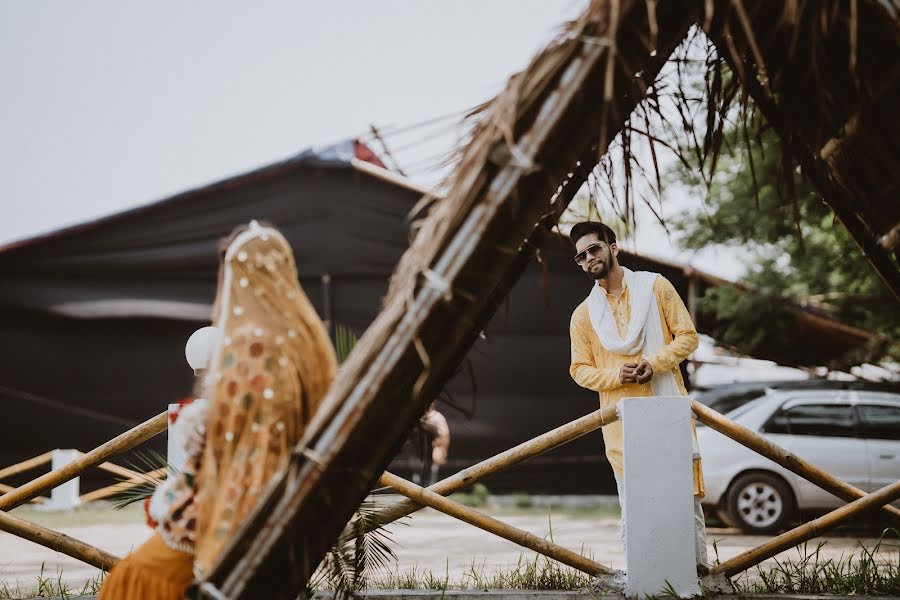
{"type": "Point", "coordinates": [852, 434]}
{"type": "Point", "coordinates": [727, 397]}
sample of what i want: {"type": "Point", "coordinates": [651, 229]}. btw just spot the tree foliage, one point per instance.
{"type": "Point", "coordinates": [800, 252]}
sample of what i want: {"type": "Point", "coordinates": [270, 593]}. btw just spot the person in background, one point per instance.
{"type": "Point", "coordinates": [435, 426]}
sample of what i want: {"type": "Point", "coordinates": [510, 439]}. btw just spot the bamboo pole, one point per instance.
{"type": "Point", "coordinates": [117, 445]}
{"type": "Point", "coordinates": [26, 465]}
{"type": "Point", "coordinates": [786, 459]}
{"type": "Point", "coordinates": [805, 532]}
{"type": "Point", "coordinates": [57, 541]}
{"type": "Point", "coordinates": [117, 470]}
{"type": "Point", "coordinates": [122, 486]}
{"type": "Point", "coordinates": [8, 488]}
{"type": "Point", "coordinates": [524, 451]}
{"type": "Point", "coordinates": [489, 524]}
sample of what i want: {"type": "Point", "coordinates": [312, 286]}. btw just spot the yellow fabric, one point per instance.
{"type": "Point", "coordinates": [597, 369]}
{"type": "Point", "coordinates": [152, 572]}
{"type": "Point", "coordinates": [267, 379]}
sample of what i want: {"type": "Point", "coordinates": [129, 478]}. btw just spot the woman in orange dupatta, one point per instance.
{"type": "Point", "coordinates": [269, 374]}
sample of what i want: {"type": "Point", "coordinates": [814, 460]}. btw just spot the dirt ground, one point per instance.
{"type": "Point", "coordinates": [428, 541]}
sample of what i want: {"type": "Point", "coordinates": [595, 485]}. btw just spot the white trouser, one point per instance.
{"type": "Point", "coordinates": [699, 524]}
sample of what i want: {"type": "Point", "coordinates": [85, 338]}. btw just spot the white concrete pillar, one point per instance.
{"type": "Point", "coordinates": [174, 446]}
{"type": "Point", "coordinates": [659, 501]}
{"type": "Point", "coordinates": [65, 496]}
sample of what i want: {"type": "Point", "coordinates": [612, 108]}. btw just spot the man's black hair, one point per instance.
{"type": "Point", "coordinates": [604, 233]}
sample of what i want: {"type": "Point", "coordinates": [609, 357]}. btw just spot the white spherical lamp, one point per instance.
{"type": "Point", "coordinates": [200, 347]}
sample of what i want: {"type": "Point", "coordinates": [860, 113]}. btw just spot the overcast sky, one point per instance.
{"type": "Point", "coordinates": [107, 105]}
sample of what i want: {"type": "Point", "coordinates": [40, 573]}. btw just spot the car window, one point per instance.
{"type": "Point", "coordinates": [729, 403]}
{"type": "Point", "coordinates": [745, 408]}
{"type": "Point", "coordinates": [879, 422]}
{"type": "Point", "coordinates": [830, 420]}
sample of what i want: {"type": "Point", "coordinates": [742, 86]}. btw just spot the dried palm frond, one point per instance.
{"type": "Point", "coordinates": [151, 467]}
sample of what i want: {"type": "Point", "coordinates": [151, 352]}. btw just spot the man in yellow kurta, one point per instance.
{"type": "Point", "coordinates": [616, 375]}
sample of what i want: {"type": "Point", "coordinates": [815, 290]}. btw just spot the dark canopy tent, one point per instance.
{"type": "Point", "coordinates": [93, 319]}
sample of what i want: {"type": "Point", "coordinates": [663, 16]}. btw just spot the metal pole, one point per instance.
{"type": "Point", "coordinates": [489, 524]}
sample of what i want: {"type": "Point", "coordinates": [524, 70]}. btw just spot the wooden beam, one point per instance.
{"type": "Point", "coordinates": [117, 470]}
{"type": "Point", "coordinates": [122, 443]}
{"type": "Point", "coordinates": [26, 465]}
{"type": "Point", "coordinates": [57, 541]}
{"type": "Point", "coordinates": [515, 455]}
{"type": "Point", "coordinates": [788, 460]}
{"type": "Point", "coordinates": [414, 346]}
{"type": "Point", "coordinates": [471, 516]}
{"type": "Point", "coordinates": [831, 178]}
{"type": "Point", "coordinates": [118, 488]}
{"type": "Point", "coordinates": [8, 488]}
{"type": "Point", "coordinates": [805, 532]}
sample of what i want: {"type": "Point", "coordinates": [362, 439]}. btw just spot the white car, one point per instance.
{"type": "Point", "coordinates": [851, 434]}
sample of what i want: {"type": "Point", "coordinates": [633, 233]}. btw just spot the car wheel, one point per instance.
{"type": "Point", "coordinates": [760, 503]}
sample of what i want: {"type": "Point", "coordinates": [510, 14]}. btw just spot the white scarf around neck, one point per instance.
{"type": "Point", "coordinates": [644, 333]}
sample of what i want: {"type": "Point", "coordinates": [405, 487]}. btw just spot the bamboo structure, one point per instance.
{"type": "Point", "coordinates": [523, 165]}
{"type": "Point", "coordinates": [822, 75]}
{"type": "Point", "coordinates": [805, 532]}
{"type": "Point", "coordinates": [122, 486]}
{"type": "Point", "coordinates": [8, 488]}
{"type": "Point", "coordinates": [117, 470]}
{"type": "Point", "coordinates": [515, 455]}
{"type": "Point", "coordinates": [426, 497]}
{"type": "Point", "coordinates": [26, 465]}
{"type": "Point", "coordinates": [786, 459]}
{"type": "Point", "coordinates": [122, 443]}
{"type": "Point", "coordinates": [534, 148]}
{"type": "Point", "coordinates": [57, 541]}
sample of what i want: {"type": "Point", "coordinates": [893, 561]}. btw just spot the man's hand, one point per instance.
{"type": "Point", "coordinates": [644, 372]}
{"type": "Point", "coordinates": [627, 373]}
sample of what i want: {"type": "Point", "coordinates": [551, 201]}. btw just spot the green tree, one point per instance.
{"type": "Point", "coordinates": [800, 252]}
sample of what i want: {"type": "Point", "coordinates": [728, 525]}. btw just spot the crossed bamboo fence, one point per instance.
{"type": "Point", "coordinates": [434, 496]}
{"type": "Point", "coordinates": [95, 458]}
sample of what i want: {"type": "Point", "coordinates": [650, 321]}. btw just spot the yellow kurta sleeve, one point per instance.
{"type": "Point", "coordinates": [582, 368]}
{"type": "Point", "coordinates": [678, 320]}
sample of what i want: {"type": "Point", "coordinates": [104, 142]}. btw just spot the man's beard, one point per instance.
{"type": "Point", "coordinates": [603, 272]}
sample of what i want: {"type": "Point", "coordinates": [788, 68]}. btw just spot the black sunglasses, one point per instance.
{"type": "Point", "coordinates": [592, 249]}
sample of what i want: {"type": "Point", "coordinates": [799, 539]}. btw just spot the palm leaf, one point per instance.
{"type": "Point", "coordinates": [363, 551]}
{"type": "Point", "coordinates": [148, 464]}
{"type": "Point", "coordinates": [344, 341]}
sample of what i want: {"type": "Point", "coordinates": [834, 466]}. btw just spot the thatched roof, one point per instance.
{"type": "Point", "coordinates": [534, 146]}
{"type": "Point", "coordinates": [826, 76]}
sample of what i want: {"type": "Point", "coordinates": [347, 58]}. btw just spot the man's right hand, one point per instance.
{"type": "Point", "coordinates": [627, 374]}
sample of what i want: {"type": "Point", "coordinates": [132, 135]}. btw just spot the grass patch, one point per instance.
{"type": "Point", "coordinates": [539, 573]}
{"type": "Point", "coordinates": [536, 573]}
{"type": "Point", "coordinates": [476, 497]}
{"type": "Point", "coordinates": [53, 587]}
{"type": "Point", "coordinates": [866, 574]}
